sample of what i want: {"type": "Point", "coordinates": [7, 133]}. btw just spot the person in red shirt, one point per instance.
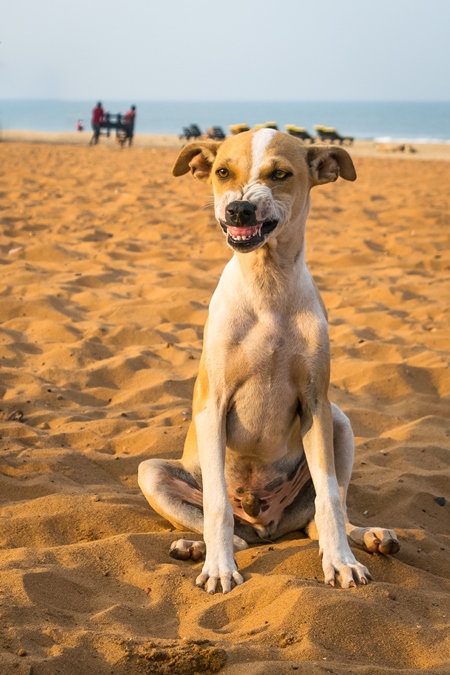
{"type": "Point", "coordinates": [128, 124]}
{"type": "Point", "coordinates": [98, 116]}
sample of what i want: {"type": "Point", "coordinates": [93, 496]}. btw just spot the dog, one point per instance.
{"type": "Point", "coordinates": [266, 452]}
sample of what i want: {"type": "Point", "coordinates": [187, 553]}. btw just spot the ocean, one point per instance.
{"type": "Point", "coordinates": [417, 121]}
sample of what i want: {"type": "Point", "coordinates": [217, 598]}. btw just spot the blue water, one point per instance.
{"type": "Point", "coordinates": [407, 120]}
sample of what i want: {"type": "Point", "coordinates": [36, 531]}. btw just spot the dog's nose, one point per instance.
{"type": "Point", "coordinates": [240, 213]}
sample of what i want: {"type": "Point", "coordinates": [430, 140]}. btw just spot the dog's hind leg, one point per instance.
{"type": "Point", "coordinates": [373, 539]}
{"type": "Point", "coordinates": [176, 495]}
{"type": "Point", "coordinates": [172, 492]}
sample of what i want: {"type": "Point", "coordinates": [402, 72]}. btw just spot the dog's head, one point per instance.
{"type": "Point", "coordinates": [261, 180]}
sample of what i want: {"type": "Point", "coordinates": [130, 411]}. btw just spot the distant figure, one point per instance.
{"type": "Point", "coordinates": [128, 124]}
{"type": "Point", "coordinates": [98, 116]}
{"type": "Point", "coordinates": [80, 125]}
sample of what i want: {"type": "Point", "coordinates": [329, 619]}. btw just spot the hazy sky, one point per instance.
{"type": "Point", "coordinates": [234, 50]}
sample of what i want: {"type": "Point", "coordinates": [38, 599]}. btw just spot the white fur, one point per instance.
{"type": "Point", "coordinates": [260, 141]}
{"type": "Point", "coordinates": [218, 514]}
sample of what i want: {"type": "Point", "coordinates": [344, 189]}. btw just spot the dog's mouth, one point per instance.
{"type": "Point", "coordinates": [246, 238]}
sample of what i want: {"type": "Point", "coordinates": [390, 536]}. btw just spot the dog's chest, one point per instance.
{"type": "Point", "coordinates": [263, 407]}
{"type": "Point", "coordinates": [263, 348]}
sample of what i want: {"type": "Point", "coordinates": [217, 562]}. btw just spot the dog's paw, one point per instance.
{"type": "Point", "coordinates": [347, 571]}
{"type": "Point", "coordinates": [375, 539]}
{"type": "Point", "coordinates": [215, 571]}
{"type": "Point", "coordinates": [184, 549]}
{"type": "Point", "coordinates": [378, 540]}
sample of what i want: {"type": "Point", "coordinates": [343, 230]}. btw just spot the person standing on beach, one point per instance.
{"type": "Point", "coordinates": [128, 123]}
{"type": "Point", "coordinates": [98, 116]}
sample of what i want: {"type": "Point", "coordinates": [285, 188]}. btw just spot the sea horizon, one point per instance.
{"type": "Point", "coordinates": [420, 121]}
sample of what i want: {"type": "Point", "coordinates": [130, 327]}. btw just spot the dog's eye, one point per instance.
{"type": "Point", "coordinates": [222, 173]}
{"type": "Point", "coordinates": [279, 174]}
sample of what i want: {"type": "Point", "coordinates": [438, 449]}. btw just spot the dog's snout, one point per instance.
{"type": "Point", "coordinates": [240, 213]}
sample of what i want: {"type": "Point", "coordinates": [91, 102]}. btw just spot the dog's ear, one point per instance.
{"type": "Point", "coordinates": [198, 157]}
{"type": "Point", "coordinates": [327, 162]}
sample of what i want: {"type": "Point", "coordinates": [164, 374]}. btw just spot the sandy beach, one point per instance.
{"type": "Point", "coordinates": [108, 266]}
{"type": "Point", "coordinates": [360, 148]}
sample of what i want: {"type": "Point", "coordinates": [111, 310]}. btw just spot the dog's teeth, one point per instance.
{"type": "Point", "coordinates": [239, 237]}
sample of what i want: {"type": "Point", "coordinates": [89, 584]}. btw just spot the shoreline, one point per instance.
{"type": "Point", "coordinates": [360, 148]}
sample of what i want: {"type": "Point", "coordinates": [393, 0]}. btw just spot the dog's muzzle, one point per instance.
{"type": "Point", "coordinates": [244, 232]}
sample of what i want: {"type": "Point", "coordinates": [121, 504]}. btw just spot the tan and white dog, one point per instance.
{"type": "Point", "coordinates": [266, 453]}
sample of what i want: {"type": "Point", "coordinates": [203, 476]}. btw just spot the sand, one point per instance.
{"type": "Point", "coordinates": [108, 267]}
{"type": "Point", "coordinates": [360, 148]}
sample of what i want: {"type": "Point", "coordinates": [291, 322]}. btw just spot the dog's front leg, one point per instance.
{"type": "Point", "coordinates": [338, 560]}
{"type": "Point", "coordinates": [218, 527]}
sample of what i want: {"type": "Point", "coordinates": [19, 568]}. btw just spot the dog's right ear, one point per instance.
{"type": "Point", "coordinates": [198, 157]}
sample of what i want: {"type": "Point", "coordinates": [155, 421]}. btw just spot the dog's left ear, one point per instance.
{"type": "Point", "coordinates": [197, 157]}
{"type": "Point", "coordinates": [327, 163]}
